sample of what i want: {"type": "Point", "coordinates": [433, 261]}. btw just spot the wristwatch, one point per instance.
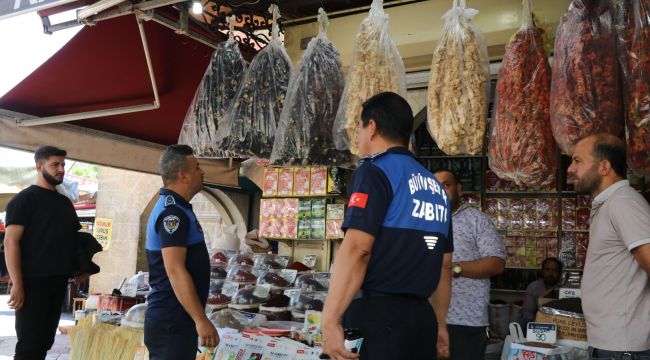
{"type": "Point", "coordinates": [456, 270]}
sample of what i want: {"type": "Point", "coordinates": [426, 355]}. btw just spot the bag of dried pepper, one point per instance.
{"type": "Point", "coordinates": [633, 28]}
{"type": "Point", "coordinates": [213, 98]}
{"type": "Point", "coordinates": [304, 134]}
{"type": "Point", "coordinates": [585, 87]}
{"type": "Point", "coordinates": [376, 67]}
{"type": "Point", "coordinates": [521, 147]}
{"type": "Point", "coordinates": [251, 122]}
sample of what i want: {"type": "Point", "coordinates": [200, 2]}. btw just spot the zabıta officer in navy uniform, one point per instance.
{"type": "Point", "coordinates": [387, 278]}
{"type": "Point", "coordinates": [179, 264]}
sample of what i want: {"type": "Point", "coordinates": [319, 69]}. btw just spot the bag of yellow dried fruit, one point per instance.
{"type": "Point", "coordinates": [458, 88]}
{"type": "Point", "coordinates": [376, 67]}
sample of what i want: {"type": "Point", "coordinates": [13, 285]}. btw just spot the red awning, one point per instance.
{"type": "Point", "coordinates": [104, 67]}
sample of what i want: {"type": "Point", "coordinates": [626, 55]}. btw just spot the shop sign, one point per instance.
{"type": "Point", "coordinates": [102, 231]}
{"type": "Point", "coordinates": [9, 8]}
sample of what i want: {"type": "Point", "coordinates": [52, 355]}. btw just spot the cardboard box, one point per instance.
{"type": "Point", "coordinates": [270, 185]}
{"type": "Point", "coordinates": [285, 182]}
{"type": "Point", "coordinates": [568, 328]}
{"type": "Point", "coordinates": [115, 304]}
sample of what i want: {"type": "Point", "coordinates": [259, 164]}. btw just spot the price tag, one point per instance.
{"type": "Point", "coordinates": [289, 275]}
{"type": "Point", "coordinates": [569, 293]}
{"type": "Point", "coordinates": [541, 332]}
{"type": "Point", "coordinates": [283, 260]}
{"type": "Point", "coordinates": [229, 288]}
{"type": "Point", "coordinates": [260, 270]}
{"type": "Point", "coordinates": [292, 293]}
{"type": "Point", "coordinates": [262, 291]}
{"type": "Point", "coordinates": [309, 260]}
{"type": "Point", "coordinates": [129, 289]}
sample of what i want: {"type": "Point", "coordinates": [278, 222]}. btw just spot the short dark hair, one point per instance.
{"type": "Point", "coordinates": [173, 160]}
{"type": "Point", "coordinates": [440, 170]}
{"type": "Point", "coordinates": [45, 152]}
{"type": "Point", "coordinates": [552, 259]}
{"type": "Point", "coordinates": [611, 148]}
{"type": "Point", "coordinates": [392, 114]}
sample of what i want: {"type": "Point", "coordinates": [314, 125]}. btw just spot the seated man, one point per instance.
{"type": "Point", "coordinates": [551, 272]}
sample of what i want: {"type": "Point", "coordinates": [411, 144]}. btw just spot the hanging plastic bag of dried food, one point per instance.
{"type": "Point", "coordinates": [304, 135]}
{"type": "Point", "coordinates": [633, 28]}
{"type": "Point", "coordinates": [376, 67]}
{"type": "Point", "coordinates": [585, 89]}
{"type": "Point", "coordinates": [249, 129]}
{"type": "Point", "coordinates": [213, 98]}
{"type": "Point", "coordinates": [458, 88]}
{"type": "Point", "coordinates": [521, 143]}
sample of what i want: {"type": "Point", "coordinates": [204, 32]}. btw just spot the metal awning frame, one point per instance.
{"type": "Point", "coordinates": [33, 121]}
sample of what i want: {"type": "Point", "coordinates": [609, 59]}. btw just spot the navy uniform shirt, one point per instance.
{"type": "Point", "coordinates": [406, 209]}
{"type": "Point", "coordinates": [173, 223]}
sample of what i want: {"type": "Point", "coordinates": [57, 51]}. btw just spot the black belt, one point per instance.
{"type": "Point", "coordinates": [375, 294]}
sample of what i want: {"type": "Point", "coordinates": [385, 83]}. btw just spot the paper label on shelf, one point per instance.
{"type": "Point", "coordinates": [289, 275]}
{"type": "Point", "coordinates": [262, 291]}
{"type": "Point", "coordinates": [541, 332]}
{"type": "Point", "coordinates": [229, 288]}
{"type": "Point", "coordinates": [309, 260]}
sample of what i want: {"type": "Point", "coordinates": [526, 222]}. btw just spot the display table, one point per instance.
{"type": "Point", "coordinates": [103, 341]}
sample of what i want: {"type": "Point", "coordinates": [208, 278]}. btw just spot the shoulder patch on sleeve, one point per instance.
{"type": "Point", "coordinates": [169, 200]}
{"type": "Point", "coordinates": [171, 223]}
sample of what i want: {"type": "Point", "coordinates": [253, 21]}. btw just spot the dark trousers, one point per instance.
{"type": "Point", "coordinates": [598, 354]}
{"type": "Point", "coordinates": [170, 339]}
{"type": "Point", "coordinates": [467, 342]}
{"type": "Point", "coordinates": [394, 327]}
{"type": "Point", "coordinates": [37, 320]}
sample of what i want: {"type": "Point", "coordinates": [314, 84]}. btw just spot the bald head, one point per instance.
{"type": "Point", "coordinates": [607, 147]}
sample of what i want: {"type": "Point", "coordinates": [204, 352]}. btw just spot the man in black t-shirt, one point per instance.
{"type": "Point", "coordinates": [39, 250]}
{"type": "Point", "coordinates": [397, 247]}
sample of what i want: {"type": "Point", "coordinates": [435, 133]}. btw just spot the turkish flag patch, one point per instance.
{"type": "Point", "coordinates": [359, 200]}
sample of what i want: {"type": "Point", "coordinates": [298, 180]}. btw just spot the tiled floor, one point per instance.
{"type": "Point", "coordinates": [60, 350]}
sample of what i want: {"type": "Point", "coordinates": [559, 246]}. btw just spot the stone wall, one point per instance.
{"type": "Point", "coordinates": [122, 196]}
{"type": "Point", "coordinates": [127, 198]}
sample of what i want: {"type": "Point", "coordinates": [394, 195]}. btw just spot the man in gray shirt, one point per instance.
{"type": "Point", "coordinates": [478, 255]}
{"type": "Point", "coordinates": [616, 283]}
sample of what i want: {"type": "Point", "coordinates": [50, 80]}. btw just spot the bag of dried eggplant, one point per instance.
{"type": "Point", "coordinates": [304, 135]}
{"type": "Point", "coordinates": [376, 67]}
{"type": "Point", "coordinates": [521, 143]}
{"type": "Point", "coordinates": [633, 29]}
{"type": "Point", "coordinates": [213, 98]}
{"type": "Point", "coordinates": [585, 86]}
{"type": "Point", "coordinates": [458, 88]}
{"type": "Point", "coordinates": [253, 118]}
